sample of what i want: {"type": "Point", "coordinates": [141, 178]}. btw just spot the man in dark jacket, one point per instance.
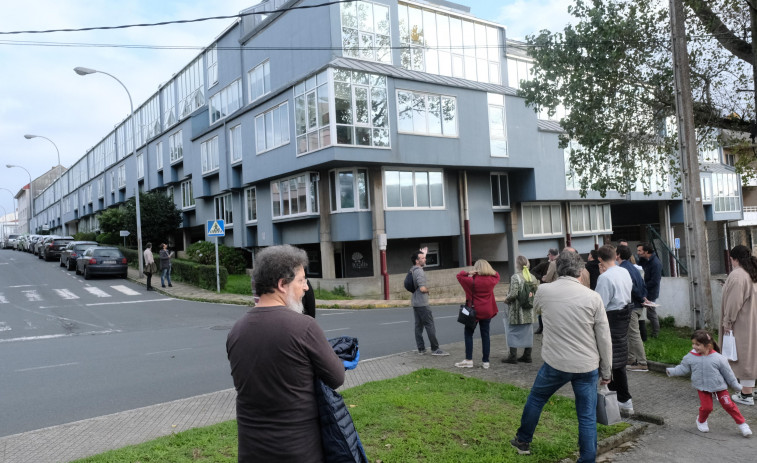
{"type": "Point", "coordinates": [592, 266]}
{"type": "Point", "coordinates": [637, 358]}
{"type": "Point", "coordinates": [652, 276]}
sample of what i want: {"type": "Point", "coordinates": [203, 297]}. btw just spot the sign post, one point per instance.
{"type": "Point", "coordinates": [124, 233]}
{"type": "Point", "coordinates": [216, 228]}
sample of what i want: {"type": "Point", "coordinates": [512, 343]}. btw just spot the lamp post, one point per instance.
{"type": "Point", "coordinates": [31, 197]}
{"type": "Point", "coordinates": [5, 222]}
{"type": "Point", "coordinates": [86, 71]}
{"type": "Point", "coordinates": [60, 200]}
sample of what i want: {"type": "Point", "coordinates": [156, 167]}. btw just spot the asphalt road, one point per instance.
{"type": "Point", "coordinates": [74, 349]}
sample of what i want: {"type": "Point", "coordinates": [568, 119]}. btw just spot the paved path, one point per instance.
{"type": "Point", "coordinates": [654, 394]}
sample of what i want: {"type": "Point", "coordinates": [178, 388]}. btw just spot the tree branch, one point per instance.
{"type": "Point", "coordinates": [739, 48]}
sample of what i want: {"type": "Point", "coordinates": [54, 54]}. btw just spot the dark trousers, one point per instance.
{"type": "Point", "coordinates": [425, 319]}
{"type": "Point", "coordinates": [149, 280]}
{"type": "Point", "coordinates": [619, 384]}
{"type": "Point", "coordinates": [485, 342]}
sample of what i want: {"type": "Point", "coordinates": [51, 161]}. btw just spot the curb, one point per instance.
{"type": "Point", "coordinates": [626, 435]}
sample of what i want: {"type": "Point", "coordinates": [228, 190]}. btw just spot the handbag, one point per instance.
{"type": "Point", "coordinates": [729, 346]}
{"type": "Point", "coordinates": [152, 268]}
{"type": "Point", "coordinates": [608, 410]}
{"type": "Point", "coordinates": [467, 313]}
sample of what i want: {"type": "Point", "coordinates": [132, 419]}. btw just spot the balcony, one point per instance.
{"type": "Point", "coordinates": [750, 217]}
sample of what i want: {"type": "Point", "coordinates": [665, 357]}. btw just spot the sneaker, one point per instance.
{"type": "Point", "coordinates": [485, 365]}
{"type": "Point", "coordinates": [465, 364]}
{"type": "Point", "coordinates": [439, 352]}
{"type": "Point", "coordinates": [626, 406]}
{"type": "Point", "coordinates": [743, 399]}
{"type": "Point", "coordinates": [523, 448]}
{"type": "Point", "coordinates": [637, 367]}
{"type": "Point", "coordinates": [421, 351]}
{"type": "Point", "coordinates": [170, 285]}
{"type": "Point", "coordinates": [745, 431]}
{"type": "Point", "coordinates": [704, 427]}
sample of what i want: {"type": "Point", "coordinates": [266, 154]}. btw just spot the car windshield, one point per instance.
{"type": "Point", "coordinates": [108, 253]}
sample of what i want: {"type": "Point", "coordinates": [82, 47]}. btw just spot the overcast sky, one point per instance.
{"type": "Point", "coordinates": [41, 95]}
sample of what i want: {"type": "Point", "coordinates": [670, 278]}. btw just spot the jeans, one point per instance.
{"type": "Point", "coordinates": [636, 352]}
{"type": "Point", "coordinates": [547, 382]}
{"type": "Point", "coordinates": [165, 274]}
{"type": "Point", "coordinates": [424, 318]}
{"type": "Point", "coordinates": [484, 325]}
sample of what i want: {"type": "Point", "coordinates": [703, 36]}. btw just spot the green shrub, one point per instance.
{"type": "Point", "coordinates": [85, 236]}
{"type": "Point", "coordinates": [108, 238]}
{"type": "Point", "coordinates": [200, 275]}
{"type": "Point", "coordinates": [130, 254]}
{"type": "Point", "coordinates": [340, 291]}
{"type": "Point", "coordinates": [668, 322]}
{"type": "Point", "coordinates": [204, 252]}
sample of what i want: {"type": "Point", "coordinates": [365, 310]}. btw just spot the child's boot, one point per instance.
{"type": "Point", "coordinates": [745, 431]}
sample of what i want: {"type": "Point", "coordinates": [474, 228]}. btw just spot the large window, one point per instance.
{"type": "Point", "coordinates": [295, 196]}
{"type": "Point", "coordinates": [175, 147]}
{"type": "Point", "coordinates": [414, 189]}
{"type": "Point", "coordinates": [259, 80]}
{"type": "Point", "coordinates": [272, 128]}
{"type": "Point", "coordinates": [426, 113]}
{"type": "Point", "coordinates": [140, 165]}
{"type": "Point", "coordinates": [518, 70]}
{"type": "Point", "coordinates": [438, 43]}
{"type": "Point", "coordinates": [311, 113]}
{"type": "Point", "coordinates": [209, 155]}
{"type": "Point", "coordinates": [725, 192]}
{"type": "Point", "coordinates": [235, 143]}
{"type": "Point", "coordinates": [223, 209]}
{"type": "Point", "coordinates": [349, 190]}
{"type": "Point", "coordinates": [590, 218]}
{"type": "Point", "coordinates": [101, 187]}
{"type": "Point", "coordinates": [187, 196]}
{"type": "Point", "coordinates": [168, 93]}
{"type": "Point", "coordinates": [148, 120]}
{"type": "Point", "coordinates": [211, 62]}
{"type": "Point", "coordinates": [500, 191]}
{"type": "Point", "coordinates": [541, 219]}
{"type": "Point", "coordinates": [361, 109]}
{"type": "Point", "coordinates": [190, 85]}
{"type": "Point", "coordinates": [225, 102]}
{"type": "Point", "coordinates": [497, 127]}
{"type": "Point", "coordinates": [121, 176]}
{"type": "Point", "coordinates": [112, 181]}
{"type": "Point", "coordinates": [159, 155]}
{"type": "Point", "coordinates": [251, 204]}
{"type": "Point", "coordinates": [366, 31]}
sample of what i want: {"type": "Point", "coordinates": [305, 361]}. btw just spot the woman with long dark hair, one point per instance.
{"type": "Point", "coordinates": [739, 315]}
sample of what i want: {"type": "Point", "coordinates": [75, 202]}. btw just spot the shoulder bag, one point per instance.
{"type": "Point", "coordinates": [467, 313]}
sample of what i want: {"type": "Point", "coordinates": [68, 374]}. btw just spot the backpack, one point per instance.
{"type": "Point", "coordinates": [410, 281]}
{"type": "Point", "coordinates": [525, 296]}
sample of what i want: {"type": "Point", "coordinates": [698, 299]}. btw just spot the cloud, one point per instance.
{"type": "Point", "coordinates": [526, 17]}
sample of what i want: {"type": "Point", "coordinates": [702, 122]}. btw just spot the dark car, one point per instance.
{"type": "Point", "coordinates": [52, 248]}
{"type": "Point", "coordinates": [101, 261]}
{"type": "Point", "coordinates": [41, 242]}
{"type": "Point", "coordinates": [72, 251]}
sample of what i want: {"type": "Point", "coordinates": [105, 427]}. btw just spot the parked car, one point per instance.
{"type": "Point", "coordinates": [10, 241]}
{"type": "Point", "coordinates": [33, 240]}
{"type": "Point", "coordinates": [72, 251]}
{"type": "Point", "coordinates": [101, 260]}
{"type": "Point", "coordinates": [38, 244]}
{"type": "Point", "coordinates": [52, 248]}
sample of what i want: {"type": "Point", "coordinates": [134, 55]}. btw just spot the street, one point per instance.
{"type": "Point", "coordinates": [74, 349]}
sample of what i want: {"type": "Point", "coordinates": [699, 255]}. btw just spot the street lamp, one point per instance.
{"type": "Point", "coordinates": [86, 71]}
{"type": "Point", "coordinates": [31, 197]}
{"type": "Point", "coordinates": [60, 200]}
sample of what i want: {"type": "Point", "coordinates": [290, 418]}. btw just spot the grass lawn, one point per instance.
{"type": "Point", "coordinates": [671, 344]}
{"type": "Point", "coordinates": [240, 284]}
{"type": "Point", "coordinates": [428, 415]}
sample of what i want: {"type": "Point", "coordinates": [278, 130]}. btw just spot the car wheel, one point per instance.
{"type": "Point", "coordinates": [87, 276]}
{"type": "Point", "coordinates": [77, 270]}
{"type": "Point", "coordinates": [39, 256]}
{"type": "Point", "coordinates": [71, 267]}
{"type": "Point", "coordinates": [125, 275]}
{"type": "Point", "coordinates": [62, 264]}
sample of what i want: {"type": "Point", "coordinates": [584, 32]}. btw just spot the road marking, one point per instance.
{"type": "Point", "coordinates": [336, 329]}
{"type": "Point", "coordinates": [4, 326]}
{"type": "Point", "coordinates": [449, 316]}
{"type": "Point", "coordinates": [96, 291]}
{"type": "Point", "coordinates": [55, 336]}
{"type": "Point", "coordinates": [32, 295]}
{"type": "Point", "coordinates": [394, 323]}
{"type": "Point", "coordinates": [66, 294]}
{"type": "Point", "coordinates": [3, 300]}
{"type": "Point", "coordinates": [47, 366]}
{"type": "Point", "coordinates": [22, 286]}
{"type": "Point", "coordinates": [126, 290]}
{"type": "Point", "coordinates": [168, 351]}
{"type": "Point", "coordinates": [128, 302]}
{"type": "Point", "coordinates": [322, 314]}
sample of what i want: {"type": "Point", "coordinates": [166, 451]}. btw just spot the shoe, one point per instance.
{"type": "Point", "coordinates": [151, 289]}
{"type": "Point", "coordinates": [704, 427]}
{"type": "Point", "coordinates": [485, 365]}
{"type": "Point", "coordinates": [421, 351]}
{"type": "Point", "coordinates": [745, 431]}
{"type": "Point", "coordinates": [743, 399]}
{"type": "Point", "coordinates": [162, 286]}
{"type": "Point", "coordinates": [637, 367]}
{"type": "Point", "coordinates": [523, 448]}
{"type": "Point", "coordinates": [526, 357]}
{"type": "Point", "coordinates": [440, 353]}
{"type": "Point", "coordinates": [626, 406]}
{"type": "Point", "coordinates": [510, 359]}
{"type": "Point", "coordinates": [170, 285]}
{"type": "Point", "coordinates": [465, 364]}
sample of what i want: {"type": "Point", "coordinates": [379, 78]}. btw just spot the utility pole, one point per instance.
{"type": "Point", "coordinates": [697, 259]}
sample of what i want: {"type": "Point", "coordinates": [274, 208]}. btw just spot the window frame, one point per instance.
{"type": "Point", "coordinates": [335, 198]}
{"type": "Point", "coordinates": [187, 188]}
{"type": "Point", "coordinates": [262, 118]}
{"type": "Point", "coordinates": [496, 101]}
{"type": "Point", "coordinates": [140, 165]}
{"type": "Point", "coordinates": [311, 196]}
{"type": "Point", "coordinates": [426, 95]}
{"type": "Point", "coordinates": [499, 176]}
{"type": "Point", "coordinates": [235, 144]}
{"type": "Point", "coordinates": [211, 64]}
{"type": "Point", "coordinates": [551, 206]}
{"type": "Point", "coordinates": [587, 229]}
{"type": "Point", "coordinates": [209, 156]}
{"type": "Point", "coordinates": [247, 209]}
{"type": "Point", "coordinates": [224, 205]}
{"type": "Point", "coordinates": [414, 171]}
{"type": "Point", "coordinates": [174, 147]}
{"type": "Point", "coordinates": [159, 156]}
{"type": "Point", "coordinates": [226, 101]}
{"type": "Point", "coordinates": [265, 68]}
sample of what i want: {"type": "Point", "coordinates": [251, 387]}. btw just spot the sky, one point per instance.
{"type": "Point", "coordinates": [41, 95]}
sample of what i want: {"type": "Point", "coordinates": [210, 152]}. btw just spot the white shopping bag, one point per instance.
{"type": "Point", "coordinates": [729, 346]}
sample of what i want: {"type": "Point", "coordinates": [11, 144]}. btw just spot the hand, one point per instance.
{"type": "Point", "coordinates": [603, 381]}
{"type": "Point", "coordinates": [424, 250]}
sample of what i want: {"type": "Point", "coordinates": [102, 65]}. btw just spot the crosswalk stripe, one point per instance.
{"type": "Point", "coordinates": [126, 290]}
{"type": "Point", "coordinates": [32, 295]}
{"type": "Point", "coordinates": [66, 294]}
{"type": "Point", "coordinates": [96, 291]}
{"type": "Point", "coordinates": [3, 300]}
{"type": "Point", "coordinates": [4, 327]}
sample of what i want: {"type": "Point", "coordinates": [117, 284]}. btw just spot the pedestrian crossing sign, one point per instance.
{"type": "Point", "coordinates": [216, 228]}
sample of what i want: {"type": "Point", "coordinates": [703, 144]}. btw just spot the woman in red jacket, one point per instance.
{"type": "Point", "coordinates": [479, 289]}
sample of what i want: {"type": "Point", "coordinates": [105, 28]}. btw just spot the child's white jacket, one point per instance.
{"type": "Point", "coordinates": [709, 373]}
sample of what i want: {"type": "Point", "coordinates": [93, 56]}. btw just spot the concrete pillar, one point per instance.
{"type": "Point", "coordinates": [376, 189]}
{"type": "Point", "coordinates": [328, 270]}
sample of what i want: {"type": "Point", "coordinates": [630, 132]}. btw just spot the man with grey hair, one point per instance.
{"type": "Point", "coordinates": [576, 349]}
{"type": "Point", "coordinates": [276, 353]}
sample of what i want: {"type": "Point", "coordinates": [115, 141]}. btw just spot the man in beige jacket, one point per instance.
{"type": "Point", "coordinates": [576, 349]}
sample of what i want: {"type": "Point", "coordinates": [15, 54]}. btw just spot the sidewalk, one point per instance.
{"type": "Point", "coordinates": [654, 394]}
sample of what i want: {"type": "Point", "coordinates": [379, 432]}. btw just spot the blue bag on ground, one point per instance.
{"type": "Point", "coordinates": [341, 443]}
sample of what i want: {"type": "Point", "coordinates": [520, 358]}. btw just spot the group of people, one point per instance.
{"type": "Point", "coordinates": [151, 267]}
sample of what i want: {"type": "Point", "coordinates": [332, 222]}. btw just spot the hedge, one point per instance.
{"type": "Point", "coordinates": [189, 272]}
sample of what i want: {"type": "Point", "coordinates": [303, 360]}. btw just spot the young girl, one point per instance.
{"type": "Point", "coordinates": [710, 374]}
